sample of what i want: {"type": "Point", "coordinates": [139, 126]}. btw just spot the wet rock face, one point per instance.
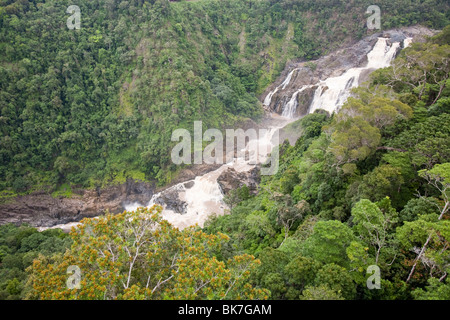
{"type": "Point", "coordinates": [309, 73]}
{"type": "Point", "coordinates": [40, 209]}
{"type": "Point", "coordinates": [189, 174]}
{"type": "Point", "coordinates": [231, 179]}
{"type": "Point", "coordinates": [170, 200]}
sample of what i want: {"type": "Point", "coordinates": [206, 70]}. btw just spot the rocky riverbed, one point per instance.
{"type": "Point", "coordinates": [307, 75]}
{"type": "Point", "coordinates": [41, 209]}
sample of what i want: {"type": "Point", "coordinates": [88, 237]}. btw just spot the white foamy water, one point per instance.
{"type": "Point", "coordinates": [283, 86]}
{"type": "Point", "coordinates": [290, 108]}
{"type": "Point", "coordinates": [64, 227]}
{"type": "Point", "coordinates": [204, 197]}
{"type": "Point", "coordinates": [288, 79]}
{"type": "Point", "coordinates": [268, 98]}
{"type": "Point", "coordinates": [407, 42]}
{"type": "Point", "coordinates": [332, 93]}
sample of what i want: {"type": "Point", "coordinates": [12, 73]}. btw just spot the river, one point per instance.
{"type": "Point", "coordinates": [202, 196]}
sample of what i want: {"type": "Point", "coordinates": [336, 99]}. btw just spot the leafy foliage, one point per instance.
{"type": "Point", "coordinates": [138, 255]}
{"type": "Point", "coordinates": [375, 180]}
{"type": "Point", "coordinates": [94, 106]}
{"type": "Point", "coordinates": [19, 246]}
{"type": "Point", "coordinates": [367, 185]}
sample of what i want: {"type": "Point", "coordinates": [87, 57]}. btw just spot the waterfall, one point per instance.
{"type": "Point", "coordinates": [203, 195]}
{"type": "Point", "coordinates": [288, 79]}
{"type": "Point", "coordinates": [283, 86]}
{"type": "Point", "coordinates": [381, 54]}
{"type": "Point", "coordinates": [268, 98]}
{"type": "Point", "coordinates": [333, 92]}
{"type": "Point", "coordinates": [407, 42]}
{"type": "Point", "coordinates": [290, 108]}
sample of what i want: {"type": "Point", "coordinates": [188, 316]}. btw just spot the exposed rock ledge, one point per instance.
{"type": "Point", "coordinates": [40, 209]}
{"type": "Point", "coordinates": [332, 65]}
{"type": "Point", "coordinates": [231, 179]}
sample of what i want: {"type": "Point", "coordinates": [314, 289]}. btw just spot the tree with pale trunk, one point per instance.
{"type": "Point", "coordinates": [138, 255]}
{"type": "Point", "coordinates": [432, 231]}
{"type": "Point", "coordinates": [374, 226]}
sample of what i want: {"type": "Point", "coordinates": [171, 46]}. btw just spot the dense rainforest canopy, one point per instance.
{"type": "Point", "coordinates": [367, 186]}
{"type": "Point", "coordinates": [93, 106]}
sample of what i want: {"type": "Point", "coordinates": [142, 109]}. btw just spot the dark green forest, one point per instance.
{"type": "Point", "coordinates": [93, 106]}
{"type": "Point", "coordinates": [369, 185]}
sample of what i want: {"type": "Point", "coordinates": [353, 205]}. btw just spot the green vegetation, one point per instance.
{"type": "Point", "coordinates": [368, 186]}
{"type": "Point", "coordinates": [19, 246]}
{"type": "Point", "coordinates": [94, 106]}
{"type": "Point", "coordinates": [137, 255]}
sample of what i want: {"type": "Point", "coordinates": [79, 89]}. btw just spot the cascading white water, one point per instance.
{"type": "Point", "coordinates": [283, 85]}
{"type": "Point", "coordinates": [407, 42]}
{"type": "Point", "coordinates": [288, 79]}
{"type": "Point", "coordinates": [290, 108]}
{"type": "Point", "coordinates": [268, 98]}
{"type": "Point", "coordinates": [333, 92]}
{"type": "Point", "coordinates": [381, 54]}
{"type": "Point", "coordinates": [65, 227]}
{"type": "Point", "coordinates": [204, 195]}
{"type": "Point", "coordinates": [202, 198]}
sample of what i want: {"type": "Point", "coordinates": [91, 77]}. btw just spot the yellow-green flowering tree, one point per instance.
{"type": "Point", "coordinates": [138, 255]}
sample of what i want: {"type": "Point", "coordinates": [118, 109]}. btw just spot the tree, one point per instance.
{"type": "Point", "coordinates": [353, 139]}
{"type": "Point", "coordinates": [383, 180]}
{"type": "Point", "coordinates": [359, 261]}
{"type": "Point", "coordinates": [300, 272]}
{"type": "Point", "coordinates": [328, 242]}
{"type": "Point", "coordinates": [338, 279]}
{"type": "Point", "coordinates": [274, 282]}
{"type": "Point", "coordinates": [138, 255]}
{"type": "Point", "coordinates": [288, 214]}
{"type": "Point", "coordinates": [418, 206]}
{"type": "Point", "coordinates": [374, 226]}
{"type": "Point", "coordinates": [320, 292]}
{"type": "Point", "coordinates": [436, 290]}
{"type": "Point", "coordinates": [420, 65]}
{"type": "Point", "coordinates": [235, 196]}
{"type": "Point", "coordinates": [427, 142]}
{"type": "Point", "coordinates": [272, 261]}
{"type": "Point", "coordinates": [427, 238]}
{"type": "Point", "coordinates": [439, 178]}
{"type": "Point", "coordinates": [14, 287]}
{"type": "Point", "coordinates": [355, 132]}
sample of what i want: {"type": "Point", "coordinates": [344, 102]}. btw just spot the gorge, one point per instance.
{"type": "Point", "coordinates": [302, 88]}
{"type": "Point", "coordinates": [202, 196]}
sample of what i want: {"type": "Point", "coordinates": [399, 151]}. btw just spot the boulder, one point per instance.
{"type": "Point", "coordinates": [230, 179]}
